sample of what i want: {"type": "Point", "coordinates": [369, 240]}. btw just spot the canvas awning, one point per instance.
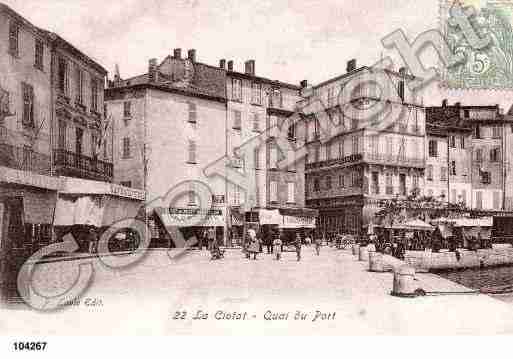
{"type": "Point", "coordinates": [270, 216]}
{"type": "Point", "coordinates": [414, 225]}
{"type": "Point", "coordinates": [474, 222]}
{"type": "Point", "coordinates": [192, 217]}
{"type": "Point", "coordinates": [95, 203]}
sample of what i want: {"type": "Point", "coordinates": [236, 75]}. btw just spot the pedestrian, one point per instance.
{"type": "Point", "coordinates": [254, 245]}
{"type": "Point", "coordinates": [211, 236]}
{"type": "Point", "coordinates": [318, 243]}
{"type": "Point", "coordinates": [268, 241]}
{"type": "Point", "coordinates": [277, 244]}
{"type": "Point", "coordinates": [297, 244]}
{"type": "Point", "coordinates": [308, 239]}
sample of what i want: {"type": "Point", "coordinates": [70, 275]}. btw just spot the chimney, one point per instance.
{"type": "Point", "coordinates": [351, 65]}
{"type": "Point", "coordinates": [230, 65]}
{"type": "Point", "coordinates": [191, 55]}
{"type": "Point", "coordinates": [177, 53]}
{"type": "Point", "coordinates": [222, 64]}
{"type": "Point", "coordinates": [249, 67]}
{"type": "Point", "coordinates": [303, 84]}
{"type": "Point", "coordinates": [403, 71]}
{"type": "Point", "coordinates": [152, 70]}
{"type": "Point", "coordinates": [457, 104]}
{"type": "Point", "coordinates": [444, 102]}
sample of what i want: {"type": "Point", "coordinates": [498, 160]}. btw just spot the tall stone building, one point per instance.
{"type": "Point", "coordinates": [54, 137]}
{"type": "Point", "coordinates": [169, 125]}
{"type": "Point", "coordinates": [448, 156]}
{"type": "Point", "coordinates": [258, 110]}
{"type": "Point", "coordinates": [488, 153]}
{"type": "Point", "coordinates": [353, 160]}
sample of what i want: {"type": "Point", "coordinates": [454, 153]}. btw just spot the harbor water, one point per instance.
{"type": "Point", "coordinates": [485, 277]}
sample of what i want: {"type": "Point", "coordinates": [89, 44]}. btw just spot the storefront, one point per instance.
{"type": "Point", "coordinates": [193, 222]}
{"type": "Point", "coordinates": [27, 204]}
{"type": "Point", "coordinates": [339, 215]}
{"type": "Point", "coordinates": [235, 227]}
{"type": "Point", "coordinates": [87, 208]}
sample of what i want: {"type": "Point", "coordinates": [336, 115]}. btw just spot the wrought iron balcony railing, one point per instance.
{"type": "Point", "coordinates": [394, 160]}
{"type": "Point", "coordinates": [72, 164]}
{"type": "Point", "coordinates": [337, 161]}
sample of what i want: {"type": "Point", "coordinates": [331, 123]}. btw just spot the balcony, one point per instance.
{"type": "Point", "coordinates": [335, 162]}
{"type": "Point", "coordinates": [24, 159]}
{"type": "Point", "coordinates": [74, 165]}
{"type": "Point", "coordinates": [394, 160]}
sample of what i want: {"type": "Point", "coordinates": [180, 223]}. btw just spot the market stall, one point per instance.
{"type": "Point", "coordinates": [88, 208]}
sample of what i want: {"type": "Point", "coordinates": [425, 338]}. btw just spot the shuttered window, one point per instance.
{"type": "Point", "coordinates": [28, 105]}
{"type": "Point", "coordinates": [291, 188]}
{"type": "Point", "coordinates": [274, 191]}
{"type": "Point", "coordinates": [192, 152]}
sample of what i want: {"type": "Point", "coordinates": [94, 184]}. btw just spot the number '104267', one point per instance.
{"type": "Point", "coordinates": [29, 346]}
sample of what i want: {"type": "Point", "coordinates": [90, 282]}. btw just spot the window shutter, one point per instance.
{"type": "Point", "coordinates": [291, 192]}
{"type": "Point", "coordinates": [192, 152]}
{"type": "Point", "coordinates": [291, 160]}
{"type": "Point", "coordinates": [273, 157]}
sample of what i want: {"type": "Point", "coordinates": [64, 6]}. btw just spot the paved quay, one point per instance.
{"type": "Point", "coordinates": [263, 297]}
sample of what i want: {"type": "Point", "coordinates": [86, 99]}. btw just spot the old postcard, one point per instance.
{"type": "Point", "coordinates": [227, 168]}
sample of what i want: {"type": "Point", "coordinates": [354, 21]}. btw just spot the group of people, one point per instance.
{"type": "Point", "coordinates": [274, 244]}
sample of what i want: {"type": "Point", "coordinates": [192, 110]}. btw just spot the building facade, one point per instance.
{"type": "Point", "coordinates": [51, 125]}
{"type": "Point", "coordinates": [258, 111]}
{"type": "Point", "coordinates": [487, 153]}
{"type": "Point", "coordinates": [354, 162]}
{"type": "Point", "coordinates": [169, 125]}
{"type": "Point", "coordinates": [448, 157]}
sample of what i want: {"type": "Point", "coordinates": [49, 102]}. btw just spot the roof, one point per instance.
{"type": "Point", "coordinates": [183, 77]}
{"type": "Point", "coordinates": [6, 9]}
{"type": "Point", "coordinates": [360, 69]}
{"type": "Point", "coordinates": [262, 79]}
{"type": "Point", "coordinates": [68, 46]}
{"type": "Point", "coordinates": [441, 119]}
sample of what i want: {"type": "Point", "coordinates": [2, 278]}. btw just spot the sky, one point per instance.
{"type": "Point", "coordinates": [290, 40]}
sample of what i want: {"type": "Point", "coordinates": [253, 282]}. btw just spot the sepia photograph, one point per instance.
{"type": "Point", "coordinates": [263, 168]}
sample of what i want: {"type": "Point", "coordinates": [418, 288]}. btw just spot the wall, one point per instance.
{"type": "Point", "coordinates": [14, 71]}
{"type": "Point", "coordinates": [128, 169]}
{"type": "Point", "coordinates": [168, 134]}
{"type": "Point", "coordinates": [461, 183]}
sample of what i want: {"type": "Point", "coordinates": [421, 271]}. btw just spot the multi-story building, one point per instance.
{"type": "Point", "coordinates": [51, 125]}
{"type": "Point", "coordinates": [192, 116]}
{"type": "Point", "coordinates": [448, 157]}
{"type": "Point", "coordinates": [55, 94]}
{"type": "Point", "coordinates": [259, 108]}
{"type": "Point", "coordinates": [487, 154]}
{"type": "Point", "coordinates": [82, 137]}
{"type": "Point", "coordinates": [169, 125]}
{"type": "Point", "coordinates": [354, 162]}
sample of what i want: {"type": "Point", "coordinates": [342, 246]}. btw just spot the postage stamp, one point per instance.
{"type": "Point", "coordinates": [490, 67]}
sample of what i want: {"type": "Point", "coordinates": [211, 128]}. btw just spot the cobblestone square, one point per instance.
{"type": "Point", "coordinates": [328, 294]}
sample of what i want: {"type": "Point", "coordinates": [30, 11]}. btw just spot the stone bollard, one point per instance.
{"type": "Point", "coordinates": [376, 262]}
{"type": "Point", "coordinates": [356, 249]}
{"type": "Point", "coordinates": [363, 254]}
{"type": "Point", "coordinates": [404, 282]}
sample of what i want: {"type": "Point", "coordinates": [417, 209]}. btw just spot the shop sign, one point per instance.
{"type": "Point", "coordinates": [196, 211]}
{"type": "Point", "coordinates": [10, 175]}
{"type": "Point", "coordinates": [194, 217]}
{"type": "Point", "coordinates": [122, 191]}
{"type": "Point", "coordinates": [298, 222]}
